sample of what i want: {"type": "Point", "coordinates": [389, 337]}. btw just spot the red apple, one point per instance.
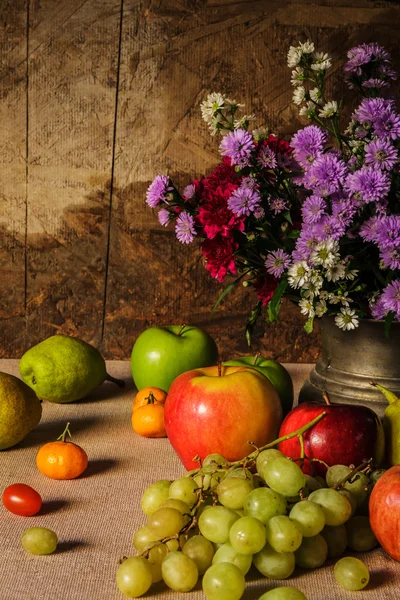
{"type": "Point", "coordinates": [221, 409]}
{"type": "Point", "coordinates": [347, 434]}
{"type": "Point", "coordinates": [384, 511]}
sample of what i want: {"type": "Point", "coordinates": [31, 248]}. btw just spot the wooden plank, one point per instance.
{"type": "Point", "coordinates": [13, 26]}
{"type": "Point", "coordinates": [72, 92]}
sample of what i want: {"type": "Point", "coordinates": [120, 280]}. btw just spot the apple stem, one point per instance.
{"type": "Point", "coordinates": [256, 356]}
{"type": "Point", "coordinates": [119, 382]}
{"type": "Point", "coordinates": [219, 364]}
{"type": "Point", "coordinates": [65, 433]}
{"type": "Point", "coordinates": [181, 329]}
{"type": "Point", "coordinates": [390, 396]}
{"type": "Point", "coordinates": [326, 398]}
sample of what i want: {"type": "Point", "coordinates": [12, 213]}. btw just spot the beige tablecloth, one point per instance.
{"type": "Point", "coordinates": [96, 515]}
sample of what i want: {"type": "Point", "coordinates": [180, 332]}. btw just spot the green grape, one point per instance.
{"type": "Point", "coordinates": [375, 475]}
{"type": "Point", "coordinates": [321, 481]}
{"type": "Point", "coordinates": [358, 486]}
{"type": "Point", "coordinates": [312, 483]}
{"type": "Point", "coordinates": [336, 474]}
{"type": "Point", "coordinates": [179, 572]}
{"type": "Point", "coordinates": [283, 534]}
{"type": "Point", "coordinates": [336, 538]}
{"type": "Point", "coordinates": [176, 543]}
{"type": "Point", "coordinates": [305, 492]}
{"type": "Point", "coordinates": [223, 581]}
{"type": "Point", "coordinates": [247, 535]}
{"type": "Point", "coordinates": [258, 481]}
{"type": "Point", "coordinates": [336, 507]}
{"type": "Point", "coordinates": [178, 504]}
{"type": "Point", "coordinates": [240, 472]}
{"type": "Point", "coordinates": [309, 518]}
{"type": "Point", "coordinates": [273, 564]}
{"type": "Point", "coordinates": [134, 577]}
{"type": "Point", "coordinates": [207, 481]}
{"type": "Point", "coordinates": [214, 461]}
{"type": "Point", "coordinates": [165, 522]}
{"type": "Point", "coordinates": [144, 538]}
{"type": "Point", "coordinates": [312, 553]}
{"type": "Point", "coordinates": [155, 557]}
{"type": "Point", "coordinates": [201, 551]}
{"type": "Point", "coordinates": [284, 476]}
{"type": "Point", "coordinates": [283, 593]}
{"type": "Point", "coordinates": [215, 523]}
{"type": "Point", "coordinates": [184, 489]}
{"type": "Point", "coordinates": [360, 536]}
{"type": "Point", "coordinates": [226, 553]}
{"type": "Point", "coordinates": [154, 496]}
{"type": "Point", "coordinates": [39, 540]}
{"type": "Point", "coordinates": [232, 491]}
{"type": "Point", "coordinates": [351, 573]}
{"type": "Point", "coordinates": [263, 504]}
{"type": "Point", "coordinates": [347, 494]}
{"type": "Point", "coordinates": [265, 456]}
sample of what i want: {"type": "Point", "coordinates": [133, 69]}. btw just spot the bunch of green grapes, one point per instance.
{"type": "Point", "coordinates": [219, 520]}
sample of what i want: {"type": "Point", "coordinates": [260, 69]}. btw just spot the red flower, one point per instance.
{"type": "Point", "coordinates": [222, 175]}
{"type": "Point", "coordinates": [265, 287]}
{"type": "Point", "coordinates": [214, 215]}
{"type": "Point", "coordinates": [218, 254]}
{"type": "Point", "coordinates": [277, 145]}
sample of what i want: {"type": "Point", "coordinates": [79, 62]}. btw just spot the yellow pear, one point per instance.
{"type": "Point", "coordinates": [20, 410]}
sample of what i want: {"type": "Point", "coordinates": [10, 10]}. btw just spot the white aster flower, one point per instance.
{"type": "Point", "coordinates": [307, 47]}
{"type": "Point", "coordinates": [213, 124]}
{"type": "Point", "coordinates": [298, 274]}
{"type": "Point", "coordinates": [306, 307]}
{"type": "Point", "coordinates": [320, 308]}
{"type": "Point", "coordinates": [293, 56]}
{"type": "Point", "coordinates": [307, 110]}
{"type": "Point", "coordinates": [260, 133]}
{"type": "Point", "coordinates": [339, 299]}
{"type": "Point", "coordinates": [315, 95]}
{"type": "Point", "coordinates": [297, 76]}
{"type": "Point", "coordinates": [313, 284]}
{"type": "Point", "coordinates": [299, 95]}
{"type": "Point", "coordinates": [346, 319]}
{"type": "Point", "coordinates": [350, 273]}
{"type": "Point", "coordinates": [326, 253]}
{"type": "Point", "coordinates": [329, 110]}
{"type": "Point", "coordinates": [336, 272]}
{"type": "Point", "coordinates": [239, 123]}
{"type": "Point", "coordinates": [211, 105]}
{"type": "Point", "coordinates": [321, 62]}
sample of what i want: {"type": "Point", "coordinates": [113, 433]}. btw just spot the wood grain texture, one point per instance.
{"type": "Point", "coordinates": [108, 98]}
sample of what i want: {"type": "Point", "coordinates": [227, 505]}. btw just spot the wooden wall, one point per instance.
{"type": "Point", "coordinates": [96, 98]}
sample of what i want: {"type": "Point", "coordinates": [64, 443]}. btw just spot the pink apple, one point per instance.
{"type": "Point", "coordinates": [221, 409]}
{"type": "Point", "coordinates": [384, 511]}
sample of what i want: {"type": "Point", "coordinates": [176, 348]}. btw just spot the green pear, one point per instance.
{"type": "Point", "coordinates": [391, 425]}
{"type": "Point", "coordinates": [20, 410]}
{"type": "Point", "coordinates": [64, 369]}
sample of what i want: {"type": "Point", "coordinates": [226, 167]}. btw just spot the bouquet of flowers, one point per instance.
{"type": "Point", "coordinates": [316, 219]}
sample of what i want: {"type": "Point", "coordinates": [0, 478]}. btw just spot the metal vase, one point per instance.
{"type": "Point", "coordinates": [351, 360]}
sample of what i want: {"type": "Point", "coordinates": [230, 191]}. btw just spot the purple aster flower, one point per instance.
{"type": "Point", "coordinates": [259, 212]}
{"type": "Point", "coordinates": [189, 192]}
{"type": "Point", "coordinates": [326, 175]}
{"type": "Point", "coordinates": [374, 82]}
{"type": "Point", "coordinates": [313, 209]}
{"type": "Point", "coordinates": [387, 125]}
{"type": "Point", "coordinates": [184, 228]}
{"type": "Point", "coordinates": [358, 56]}
{"type": "Point", "coordinates": [388, 232]}
{"type": "Point", "coordinates": [277, 205]}
{"type": "Point", "coordinates": [163, 216]}
{"type": "Point", "coordinates": [238, 146]}
{"type": "Point", "coordinates": [378, 311]}
{"type": "Point", "coordinates": [371, 109]}
{"type": "Point", "coordinates": [369, 184]}
{"type": "Point", "coordinates": [308, 144]}
{"type": "Point", "coordinates": [390, 257]}
{"type": "Point", "coordinates": [267, 158]}
{"type": "Point", "coordinates": [329, 227]}
{"type": "Point", "coordinates": [276, 262]}
{"type": "Point", "coordinates": [157, 190]}
{"type": "Point", "coordinates": [369, 230]}
{"type": "Point", "coordinates": [391, 298]}
{"type": "Point", "coordinates": [381, 155]}
{"type": "Point", "coordinates": [245, 200]}
{"type": "Point", "coordinates": [306, 243]}
{"type": "Point", "coordinates": [343, 209]}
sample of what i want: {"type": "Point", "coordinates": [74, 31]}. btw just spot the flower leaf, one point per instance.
{"type": "Point", "coordinates": [252, 320]}
{"type": "Point", "coordinates": [309, 325]}
{"type": "Point", "coordinates": [388, 323]}
{"type": "Point", "coordinates": [225, 292]}
{"type": "Point", "coordinates": [275, 302]}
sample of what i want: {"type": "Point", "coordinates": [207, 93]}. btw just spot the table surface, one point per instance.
{"type": "Point", "coordinates": [96, 515]}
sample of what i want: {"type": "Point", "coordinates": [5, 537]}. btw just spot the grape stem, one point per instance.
{"type": "Point", "coordinates": [364, 466]}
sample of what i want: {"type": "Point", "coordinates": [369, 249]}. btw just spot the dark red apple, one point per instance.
{"type": "Point", "coordinates": [347, 435]}
{"type": "Point", "coordinates": [384, 511]}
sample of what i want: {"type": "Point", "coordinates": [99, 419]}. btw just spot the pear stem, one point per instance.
{"type": "Point", "coordinates": [326, 398]}
{"type": "Point", "coordinates": [65, 433]}
{"type": "Point", "coordinates": [390, 396]}
{"type": "Point", "coordinates": [119, 382]}
{"type": "Point", "coordinates": [181, 329]}
{"type": "Point", "coordinates": [256, 356]}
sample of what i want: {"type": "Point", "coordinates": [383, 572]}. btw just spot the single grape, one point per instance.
{"type": "Point", "coordinates": [178, 504]}
{"type": "Point", "coordinates": [284, 476]}
{"type": "Point", "coordinates": [312, 483]}
{"type": "Point", "coordinates": [312, 553]}
{"type": "Point", "coordinates": [39, 540]}
{"type": "Point", "coordinates": [165, 522]}
{"type": "Point", "coordinates": [176, 544]}
{"type": "Point", "coordinates": [309, 518]}
{"type": "Point", "coordinates": [215, 523]}
{"type": "Point", "coordinates": [347, 494]}
{"type": "Point", "coordinates": [263, 504]}
{"type": "Point", "coordinates": [226, 553]}
{"type": "Point", "coordinates": [155, 557]}
{"type": "Point", "coordinates": [283, 534]}
{"type": "Point", "coordinates": [232, 491]}
{"type": "Point", "coordinates": [375, 475]}
{"type": "Point", "coordinates": [247, 535]}
{"type": "Point", "coordinates": [184, 489]}
{"type": "Point", "coordinates": [154, 496]}
{"type": "Point", "coordinates": [273, 564]}
{"type": "Point", "coordinates": [336, 538]}
{"type": "Point", "coordinates": [283, 593]}
{"type": "Point", "coordinates": [351, 573]}
{"type": "Point", "coordinates": [134, 577]}
{"type": "Point", "coordinates": [265, 456]}
{"type": "Point", "coordinates": [336, 507]}
{"type": "Point", "coordinates": [144, 538]}
{"type": "Point", "coordinates": [179, 572]}
{"type": "Point", "coordinates": [214, 460]}
{"type": "Point", "coordinates": [358, 486]}
{"type": "Point", "coordinates": [360, 536]}
{"type": "Point", "coordinates": [336, 473]}
{"type": "Point", "coordinates": [201, 551]}
{"type": "Point", "coordinates": [223, 581]}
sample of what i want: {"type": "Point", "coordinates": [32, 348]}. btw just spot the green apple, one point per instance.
{"type": "Point", "coordinates": [160, 354]}
{"type": "Point", "coordinates": [274, 371]}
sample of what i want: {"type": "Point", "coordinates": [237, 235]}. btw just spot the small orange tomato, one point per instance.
{"type": "Point", "coordinates": [61, 459]}
{"type": "Point", "coordinates": [148, 395]}
{"type": "Point", "coordinates": [148, 420]}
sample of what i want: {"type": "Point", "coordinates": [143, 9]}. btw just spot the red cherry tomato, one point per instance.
{"type": "Point", "coordinates": [22, 500]}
